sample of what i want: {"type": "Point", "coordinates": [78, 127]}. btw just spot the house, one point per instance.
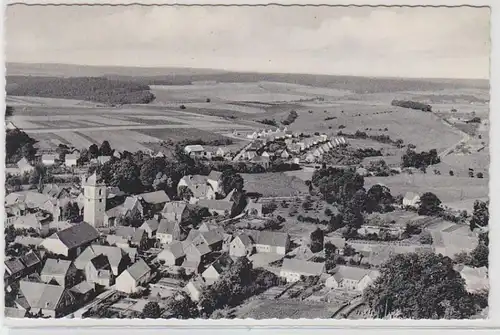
{"type": "Point", "coordinates": [118, 241]}
{"type": "Point", "coordinates": [213, 272]}
{"type": "Point", "coordinates": [138, 238]}
{"type": "Point", "coordinates": [241, 246]}
{"type": "Point", "coordinates": [45, 299]}
{"type": "Point", "coordinates": [83, 291]}
{"type": "Point", "coordinates": [220, 152]}
{"type": "Point", "coordinates": [98, 271]}
{"type": "Point", "coordinates": [194, 150]}
{"type": "Point", "coordinates": [150, 227]}
{"type": "Point", "coordinates": [197, 185]}
{"type": "Point", "coordinates": [168, 231]}
{"type": "Point", "coordinates": [32, 261]}
{"type": "Point", "coordinates": [284, 154]}
{"type": "Point", "coordinates": [70, 242]}
{"type": "Point", "coordinates": [173, 254]}
{"type": "Point", "coordinates": [134, 277]}
{"type": "Point", "coordinates": [293, 269]}
{"type": "Point", "coordinates": [70, 160]}
{"type": "Point", "coordinates": [251, 154]}
{"type": "Point", "coordinates": [24, 166]}
{"type": "Point", "coordinates": [49, 160]}
{"type": "Point", "coordinates": [217, 207]}
{"type": "Point", "coordinates": [156, 198]}
{"type": "Point", "coordinates": [265, 154]}
{"type": "Point", "coordinates": [174, 211]}
{"type": "Point", "coordinates": [214, 179]}
{"type": "Point", "coordinates": [60, 271]}
{"type": "Point", "coordinates": [263, 161]}
{"type": "Point", "coordinates": [196, 251]}
{"type": "Point", "coordinates": [212, 238]}
{"type": "Point", "coordinates": [270, 241]}
{"type": "Point", "coordinates": [310, 158]}
{"type": "Point", "coordinates": [351, 278]}
{"type": "Point", "coordinates": [194, 288]}
{"type": "Point", "coordinates": [476, 279]}
{"type": "Point", "coordinates": [411, 199]}
{"type": "Point", "coordinates": [117, 258]}
{"type": "Point", "coordinates": [14, 270]}
{"type": "Point", "coordinates": [28, 241]}
{"type": "Point", "coordinates": [32, 221]}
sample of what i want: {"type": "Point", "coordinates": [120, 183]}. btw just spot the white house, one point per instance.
{"type": "Point", "coordinates": [411, 199]}
{"type": "Point", "coordinates": [273, 242]}
{"type": "Point", "coordinates": [214, 179]}
{"type": "Point", "coordinates": [293, 269]}
{"type": "Point", "coordinates": [173, 254]}
{"type": "Point", "coordinates": [70, 160]}
{"type": "Point", "coordinates": [241, 246]}
{"type": "Point", "coordinates": [351, 278]}
{"type": "Point", "coordinates": [49, 159]}
{"type": "Point", "coordinates": [195, 150]}
{"type": "Point", "coordinates": [285, 154]}
{"type": "Point", "coordinates": [137, 275]}
{"type": "Point", "coordinates": [195, 287]}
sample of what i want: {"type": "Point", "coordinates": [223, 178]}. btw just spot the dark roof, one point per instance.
{"type": "Point", "coordinates": [167, 227]}
{"type": "Point", "coordinates": [157, 197]}
{"type": "Point", "coordinates": [220, 205]}
{"type": "Point", "coordinates": [14, 265]}
{"type": "Point", "coordinates": [272, 238]}
{"type": "Point", "coordinates": [77, 235]}
{"type": "Point", "coordinates": [152, 224]}
{"type": "Point", "coordinates": [139, 269]}
{"type": "Point", "coordinates": [101, 262]}
{"type": "Point", "coordinates": [214, 175]}
{"type": "Point", "coordinates": [30, 258]}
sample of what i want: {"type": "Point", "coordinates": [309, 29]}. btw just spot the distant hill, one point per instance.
{"type": "Point", "coordinates": [186, 76]}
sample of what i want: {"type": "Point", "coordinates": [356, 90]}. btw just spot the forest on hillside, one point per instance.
{"type": "Point", "coordinates": [97, 89]}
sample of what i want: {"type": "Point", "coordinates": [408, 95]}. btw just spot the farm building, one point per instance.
{"type": "Point", "coordinates": [411, 199]}
{"type": "Point", "coordinates": [293, 269]}
{"type": "Point", "coordinates": [198, 186]}
{"type": "Point", "coordinates": [454, 239]}
{"type": "Point", "coordinates": [71, 241]}
{"type": "Point", "coordinates": [98, 271]}
{"type": "Point", "coordinates": [134, 277]}
{"type": "Point", "coordinates": [196, 251]}
{"type": "Point", "coordinates": [351, 278]}
{"type": "Point", "coordinates": [263, 161]}
{"type": "Point", "coordinates": [117, 258]}
{"type": "Point", "coordinates": [154, 198]}
{"type": "Point", "coordinates": [150, 227]}
{"type": "Point", "coordinates": [212, 238]}
{"type": "Point", "coordinates": [217, 207]}
{"type": "Point", "coordinates": [197, 151]}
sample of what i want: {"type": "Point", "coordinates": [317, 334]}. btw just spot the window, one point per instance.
{"type": "Point", "coordinates": [100, 192]}
{"type": "Point", "coordinates": [100, 200]}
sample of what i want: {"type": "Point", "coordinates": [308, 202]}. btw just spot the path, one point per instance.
{"type": "Point", "coordinates": [100, 298]}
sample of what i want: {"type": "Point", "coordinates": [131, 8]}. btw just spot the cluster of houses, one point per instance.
{"type": "Point", "coordinates": [296, 148]}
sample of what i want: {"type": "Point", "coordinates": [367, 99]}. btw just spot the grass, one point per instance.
{"type": "Point", "coordinates": [274, 184]}
{"type": "Point", "coordinates": [449, 190]}
{"type": "Point", "coordinates": [180, 134]}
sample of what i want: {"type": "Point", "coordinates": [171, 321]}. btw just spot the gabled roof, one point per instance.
{"type": "Point", "coordinates": [29, 220]}
{"type": "Point", "coordinates": [303, 267]}
{"type": "Point", "coordinates": [222, 263]}
{"type": "Point", "coordinates": [101, 262]}
{"type": "Point", "coordinates": [197, 247]}
{"type": "Point", "coordinates": [77, 235]}
{"type": "Point", "coordinates": [23, 163]}
{"type": "Point", "coordinates": [28, 240]}
{"type": "Point", "coordinates": [175, 248]}
{"type": "Point", "coordinates": [47, 157]}
{"type": "Point", "coordinates": [151, 225]}
{"type": "Point", "coordinates": [30, 259]}
{"type": "Point", "coordinates": [219, 205]}
{"type": "Point", "coordinates": [41, 295]}
{"type": "Point", "coordinates": [69, 157]}
{"type": "Point", "coordinates": [55, 267]}
{"type": "Point", "coordinates": [139, 269]}
{"type": "Point", "coordinates": [125, 231]}
{"type": "Point", "coordinates": [245, 239]}
{"type": "Point", "coordinates": [272, 238]}
{"type": "Point", "coordinates": [14, 265]}
{"type": "Point", "coordinates": [157, 197]}
{"type": "Point", "coordinates": [82, 288]}
{"type": "Point", "coordinates": [177, 207]}
{"type": "Point", "coordinates": [167, 227]}
{"type": "Point", "coordinates": [12, 312]}
{"type": "Point", "coordinates": [214, 175]}
{"type": "Point", "coordinates": [131, 202]}
{"type": "Point", "coordinates": [113, 254]}
{"type": "Point", "coordinates": [351, 273]}
{"type": "Point", "coordinates": [138, 235]}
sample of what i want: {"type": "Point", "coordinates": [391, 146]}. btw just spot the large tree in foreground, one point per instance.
{"type": "Point", "coordinates": [420, 286]}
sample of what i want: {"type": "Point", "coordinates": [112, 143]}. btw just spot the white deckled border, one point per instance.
{"type": "Point", "coordinates": [287, 326]}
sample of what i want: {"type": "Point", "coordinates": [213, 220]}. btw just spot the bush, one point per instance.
{"type": "Point", "coordinates": [412, 105]}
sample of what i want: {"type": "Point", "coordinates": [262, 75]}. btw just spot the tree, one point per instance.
{"type": "Point", "coordinates": [416, 285]}
{"type": "Point", "coordinates": [185, 193]}
{"type": "Point", "coordinates": [71, 211]}
{"type": "Point", "coordinates": [378, 198]}
{"type": "Point", "coordinates": [84, 157]}
{"type": "Point", "coordinates": [480, 215]}
{"type": "Point", "coordinates": [451, 173]}
{"type": "Point", "coordinates": [125, 175]}
{"type": "Point", "coordinates": [151, 310]}
{"type": "Point", "coordinates": [231, 180]}
{"type": "Point", "coordinates": [479, 175]}
{"type": "Point", "coordinates": [317, 238]}
{"type": "Point", "coordinates": [93, 151]}
{"type": "Point", "coordinates": [425, 238]}
{"type": "Point", "coordinates": [105, 149]}
{"type": "Point", "coordinates": [429, 204]}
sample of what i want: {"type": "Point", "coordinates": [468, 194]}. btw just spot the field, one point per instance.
{"type": "Point", "coordinates": [270, 309]}
{"type": "Point", "coordinates": [459, 192]}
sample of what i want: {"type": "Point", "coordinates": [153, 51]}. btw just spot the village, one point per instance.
{"type": "Point", "coordinates": [202, 246]}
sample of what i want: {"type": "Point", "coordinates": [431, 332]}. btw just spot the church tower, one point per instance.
{"type": "Point", "coordinates": [95, 201]}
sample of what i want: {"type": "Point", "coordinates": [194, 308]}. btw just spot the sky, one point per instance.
{"type": "Point", "coordinates": [391, 42]}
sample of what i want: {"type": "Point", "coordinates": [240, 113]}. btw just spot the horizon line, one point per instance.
{"type": "Point", "coordinates": [241, 71]}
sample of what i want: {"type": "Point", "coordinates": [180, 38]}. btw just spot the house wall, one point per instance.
{"type": "Point", "coordinates": [56, 246]}
{"type": "Point", "coordinates": [331, 283]}
{"type": "Point", "coordinates": [193, 292]}
{"type": "Point", "coordinates": [290, 276]}
{"type": "Point", "coordinates": [237, 249]}
{"type": "Point", "coordinates": [125, 283]}
{"type": "Point", "coordinates": [210, 275]}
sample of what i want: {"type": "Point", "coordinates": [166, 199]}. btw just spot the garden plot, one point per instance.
{"type": "Point", "coordinates": [274, 184]}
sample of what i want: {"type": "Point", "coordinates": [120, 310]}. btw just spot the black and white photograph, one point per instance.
{"type": "Point", "coordinates": [246, 162]}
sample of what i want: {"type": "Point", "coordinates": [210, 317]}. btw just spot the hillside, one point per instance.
{"type": "Point", "coordinates": [184, 76]}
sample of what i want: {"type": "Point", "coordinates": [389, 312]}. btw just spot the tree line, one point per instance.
{"type": "Point", "coordinates": [97, 89]}
{"type": "Point", "coordinates": [412, 105]}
